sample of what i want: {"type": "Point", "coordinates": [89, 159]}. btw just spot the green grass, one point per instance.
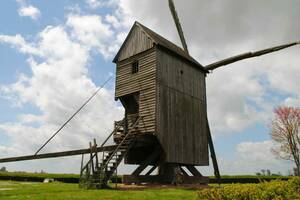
{"type": "Point", "coordinates": [46, 175]}
{"type": "Point", "coordinates": [63, 191]}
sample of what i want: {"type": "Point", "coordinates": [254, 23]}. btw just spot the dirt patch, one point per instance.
{"type": "Point", "coordinates": [6, 184]}
{"type": "Point", "coordinates": [3, 189]}
{"type": "Point", "coordinates": [159, 186]}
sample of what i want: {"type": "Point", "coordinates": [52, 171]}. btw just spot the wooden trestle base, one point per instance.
{"type": "Point", "coordinates": [160, 179]}
{"type": "Point", "coordinates": [167, 174]}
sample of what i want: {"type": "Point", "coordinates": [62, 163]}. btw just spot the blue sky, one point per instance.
{"type": "Point", "coordinates": [53, 54]}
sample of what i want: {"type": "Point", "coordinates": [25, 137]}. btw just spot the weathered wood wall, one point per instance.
{"type": "Point", "coordinates": [143, 82]}
{"type": "Point", "coordinates": [181, 110]}
{"type": "Point", "coordinates": [137, 42]}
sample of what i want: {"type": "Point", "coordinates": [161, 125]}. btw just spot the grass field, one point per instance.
{"type": "Point", "coordinates": [279, 190]}
{"type": "Point", "coordinates": [73, 178]}
{"type": "Point", "coordinates": [38, 175]}
{"type": "Point", "coordinates": [64, 191]}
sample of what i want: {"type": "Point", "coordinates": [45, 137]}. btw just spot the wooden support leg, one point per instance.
{"type": "Point", "coordinates": [139, 170]}
{"type": "Point", "coordinates": [193, 170]}
{"type": "Point", "coordinates": [151, 170]}
{"type": "Point", "coordinates": [91, 157]}
{"type": "Point", "coordinates": [168, 172]}
{"type": "Point", "coordinates": [213, 154]}
{"type": "Point", "coordinates": [147, 161]}
{"type": "Point", "coordinates": [183, 171]}
{"type": "Point", "coordinates": [95, 152]}
{"type": "Point", "coordinates": [81, 165]}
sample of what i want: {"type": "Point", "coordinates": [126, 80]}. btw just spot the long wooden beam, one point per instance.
{"type": "Point", "coordinates": [213, 154]}
{"type": "Point", "coordinates": [248, 55]}
{"type": "Point", "coordinates": [178, 25]}
{"type": "Point", "coordinates": [56, 154]}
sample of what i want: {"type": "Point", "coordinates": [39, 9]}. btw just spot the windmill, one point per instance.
{"type": "Point", "coordinates": [165, 125]}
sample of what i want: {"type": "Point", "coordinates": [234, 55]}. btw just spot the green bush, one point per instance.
{"type": "Point", "coordinates": [274, 190]}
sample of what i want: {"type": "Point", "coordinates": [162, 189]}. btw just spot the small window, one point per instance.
{"type": "Point", "coordinates": [135, 67]}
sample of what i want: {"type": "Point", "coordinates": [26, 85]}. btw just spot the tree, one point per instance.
{"type": "Point", "coordinates": [3, 169]}
{"type": "Point", "coordinates": [285, 133]}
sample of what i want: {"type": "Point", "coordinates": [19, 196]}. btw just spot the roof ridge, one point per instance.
{"type": "Point", "coordinates": [163, 42]}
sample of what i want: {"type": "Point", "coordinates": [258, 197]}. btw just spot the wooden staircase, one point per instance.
{"type": "Point", "coordinates": [96, 173]}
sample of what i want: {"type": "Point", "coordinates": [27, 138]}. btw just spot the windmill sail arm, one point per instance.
{"type": "Point", "coordinates": [55, 154]}
{"type": "Point", "coordinates": [178, 25]}
{"type": "Point", "coordinates": [248, 55]}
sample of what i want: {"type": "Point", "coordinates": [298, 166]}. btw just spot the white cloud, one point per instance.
{"type": "Point", "coordinates": [29, 11]}
{"type": "Point", "coordinates": [256, 151]}
{"type": "Point", "coordinates": [111, 19]}
{"type": "Point", "coordinates": [26, 10]}
{"type": "Point", "coordinates": [59, 83]}
{"type": "Point", "coordinates": [256, 156]}
{"type": "Point", "coordinates": [92, 31]}
{"type": "Point", "coordinates": [89, 29]}
{"type": "Point", "coordinates": [18, 42]}
{"type": "Point", "coordinates": [94, 3]}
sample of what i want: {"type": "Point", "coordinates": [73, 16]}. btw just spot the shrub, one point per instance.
{"type": "Point", "coordinates": [274, 190]}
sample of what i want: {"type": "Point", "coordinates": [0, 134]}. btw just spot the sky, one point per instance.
{"type": "Point", "coordinates": [54, 54]}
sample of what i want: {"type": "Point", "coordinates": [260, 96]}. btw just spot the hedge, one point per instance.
{"type": "Point", "coordinates": [274, 190]}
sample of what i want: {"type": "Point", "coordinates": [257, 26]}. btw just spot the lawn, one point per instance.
{"type": "Point", "coordinates": [279, 190]}
{"type": "Point", "coordinates": [64, 191]}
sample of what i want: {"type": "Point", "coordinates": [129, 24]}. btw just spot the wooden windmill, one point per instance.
{"type": "Point", "coordinates": [165, 126]}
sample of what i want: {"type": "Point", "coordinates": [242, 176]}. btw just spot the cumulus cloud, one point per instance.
{"type": "Point", "coordinates": [257, 155]}
{"type": "Point", "coordinates": [29, 11]}
{"type": "Point", "coordinates": [256, 151]}
{"type": "Point", "coordinates": [59, 83]}
{"type": "Point", "coordinates": [18, 42]}
{"type": "Point", "coordinates": [89, 29]}
{"type": "Point", "coordinates": [93, 32]}
{"type": "Point", "coordinates": [94, 3]}
{"type": "Point", "coordinates": [26, 10]}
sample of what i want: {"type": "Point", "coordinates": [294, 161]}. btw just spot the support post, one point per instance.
{"type": "Point", "coordinates": [152, 157]}
{"type": "Point", "coordinates": [193, 170]}
{"type": "Point", "coordinates": [81, 166]}
{"type": "Point", "coordinates": [151, 170]}
{"type": "Point", "coordinates": [96, 153]}
{"type": "Point", "coordinates": [91, 157]}
{"type": "Point", "coordinates": [213, 154]}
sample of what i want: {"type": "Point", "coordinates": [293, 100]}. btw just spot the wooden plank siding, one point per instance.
{"type": "Point", "coordinates": [181, 110]}
{"type": "Point", "coordinates": [172, 99]}
{"type": "Point", "coordinates": [143, 82]}
{"type": "Point", "coordinates": [137, 42]}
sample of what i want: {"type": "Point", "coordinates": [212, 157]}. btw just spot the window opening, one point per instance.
{"type": "Point", "coordinates": [135, 67]}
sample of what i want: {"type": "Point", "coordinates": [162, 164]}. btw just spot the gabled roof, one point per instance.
{"type": "Point", "coordinates": [161, 41]}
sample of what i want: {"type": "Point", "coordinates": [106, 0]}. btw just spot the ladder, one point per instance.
{"type": "Point", "coordinates": [96, 173]}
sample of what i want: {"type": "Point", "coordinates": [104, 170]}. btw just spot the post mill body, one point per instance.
{"type": "Point", "coordinates": [159, 82]}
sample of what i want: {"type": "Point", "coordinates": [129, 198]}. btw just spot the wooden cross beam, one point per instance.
{"type": "Point", "coordinates": [243, 56]}
{"type": "Point", "coordinates": [56, 154]}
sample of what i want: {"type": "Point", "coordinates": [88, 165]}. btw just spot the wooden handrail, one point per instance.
{"type": "Point", "coordinates": [117, 148]}
{"type": "Point", "coordinates": [103, 143]}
